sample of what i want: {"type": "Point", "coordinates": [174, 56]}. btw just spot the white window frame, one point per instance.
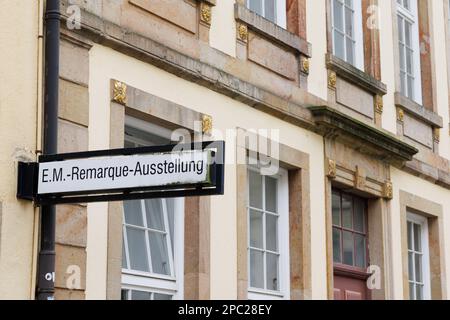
{"type": "Point", "coordinates": [423, 222]}
{"type": "Point", "coordinates": [413, 17]}
{"type": "Point", "coordinates": [280, 14]}
{"type": "Point", "coordinates": [283, 239]}
{"type": "Point", "coordinates": [151, 282]}
{"type": "Point", "coordinates": [357, 30]}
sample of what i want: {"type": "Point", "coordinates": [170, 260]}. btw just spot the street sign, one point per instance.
{"type": "Point", "coordinates": [121, 174]}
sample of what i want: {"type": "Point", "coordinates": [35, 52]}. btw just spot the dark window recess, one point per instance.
{"type": "Point", "coordinates": [349, 216]}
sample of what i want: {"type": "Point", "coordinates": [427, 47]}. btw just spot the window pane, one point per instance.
{"type": "Point", "coordinates": [271, 194]}
{"type": "Point", "coordinates": [336, 208]}
{"type": "Point", "coordinates": [403, 83]}
{"type": "Point", "coordinates": [272, 272]}
{"type": "Point", "coordinates": [408, 34]}
{"type": "Point", "coordinates": [400, 29]}
{"type": "Point", "coordinates": [339, 50]}
{"type": "Point", "coordinates": [409, 61]}
{"type": "Point", "coordinates": [124, 294]}
{"type": "Point", "coordinates": [348, 248]}
{"type": "Point", "coordinates": [338, 22]}
{"type": "Point", "coordinates": [412, 291]}
{"type": "Point", "coordinates": [256, 229]}
{"type": "Point", "coordinates": [137, 249]}
{"type": "Point", "coordinates": [359, 214]}
{"type": "Point", "coordinates": [402, 57]}
{"type": "Point", "coordinates": [154, 212]}
{"type": "Point", "coordinates": [349, 22]}
{"type": "Point", "coordinates": [159, 252]}
{"type": "Point", "coordinates": [269, 11]}
{"type": "Point", "coordinates": [124, 257]}
{"type": "Point", "coordinates": [409, 226]}
{"type": "Point", "coordinates": [410, 83]}
{"type": "Point", "coordinates": [133, 212]}
{"type": "Point", "coordinates": [256, 6]}
{"type": "Point", "coordinates": [159, 296]}
{"type": "Point", "coordinates": [256, 190]}
{"type": "Point", "coordinates": [417, 240]}
{"type": "Point", "coordinates": [349, 47]}
{"type": "Point", "coordinates": [140, 295]}
{"type": "Point", "coordinates": [419, 292]}
{"type": "Point", "coordinates": [418, 267]}
{"type": "Point", "coordinates": [410, 266]}
{"type": "Point", "coordinates": [271, 232]}
{"type": "Point", "coordinates": [337, 245]}
{"type": "Point", "coordinates": [170, 203]}
{"type": "Point", "coordinates": [256, 269]}
{"type": "Point", "coordinates": [347, 212]}
{"type": "Point", "coordinates": [360, 248]}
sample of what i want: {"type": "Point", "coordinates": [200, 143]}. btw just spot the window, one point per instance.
{"type": "Point", "coordinates": [152, 256]}
{"type": "Point", "coordinates": [349, 215]}
{"type": "Point", "coordinates": [347, 31]}
{"type": "Point", "coordinates": [268, 251]}
{"type": "Point", "coordinates": [273, 10]}
{"type": "Point", "coordinates": [409, 49]}
{"type": "Point", "coordinates": [418, 257]}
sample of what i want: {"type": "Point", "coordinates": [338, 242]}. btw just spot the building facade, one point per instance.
{"type": "Point", "coordinates": [348, 100]}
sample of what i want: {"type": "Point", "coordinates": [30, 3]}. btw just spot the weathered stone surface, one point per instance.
{"type": "Point", "coordinates": [272, 57]}
{"type": "Point", "coordinates": [74, 63]}
{"type": "Point", "coordinates": [65, 294]}
{"type": "Point", "coordinates": [71, 225]}
{"type": "Point", "coordinates": [71, 137]}
{"type": "Point", "coordinates": [354, 97]}
{"type": "Point", "coordinates": [418, 131]}
{"type": "Point", "coordinates": [68, 257]}
{"type": "Point", "coordinates": [73, 102]}
{"type": "Point", "coordinates": [181, 13]}
{"type": "Point", "coordinates": [418, 111]}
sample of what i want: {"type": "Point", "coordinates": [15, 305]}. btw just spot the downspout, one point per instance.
{"type": "Point", "coordinates": [46, 259]}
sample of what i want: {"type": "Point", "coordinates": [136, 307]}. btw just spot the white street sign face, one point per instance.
{"type": "Point", "coordinates": [123, 172]}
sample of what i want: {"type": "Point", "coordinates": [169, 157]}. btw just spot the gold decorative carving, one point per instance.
{"type": "Point", "coordinates": [388, 190]}
{"type": "Point", "coordinates": [205, 13]}
{"type": "Point", "coordinates": [379, 104]}
{"type": "Point", "coordinates": [242, 32]}
{"type": "Point", "coordinates": [305, 65]}
{"type": "Point", "coordinates": [437, 134]}
{"type": "Point", "coordinates": [120, 92]}
{"type": "Point", "coordinates": [206, 124]}
{"type": "Point", "coordinates": [332, 79]}
{"type": "Point", "coordinates": [400, 115]}
{"type": "Point", "coordinates": [331, 170]}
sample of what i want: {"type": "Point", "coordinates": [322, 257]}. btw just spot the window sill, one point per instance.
{"type": "Point", "coordinates": [272, 31]}
{"type": "Point", "coordinates": [148, 275]}
{"type": "Point", "coordinates": [418, 110]}
{"type": "Point", "coordinates": [258, 293]}
{"type": "Point", "coordinates": [357, 77]}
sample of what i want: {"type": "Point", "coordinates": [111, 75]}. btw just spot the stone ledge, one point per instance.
{"type": "Point", "coordinates": [361, 136]}
{"type": "Point", "coordinates": [103, 32]}
{"type": "Point", "coordinates": [418, 111]}
{"type": "Point", "coordinates": [270, 30]}
{"type": "Point", "coordinates": [355, 76]}
{"type": "Point", "coordinates": [210, 2]}
{"type": "Point", "coordinates": [427, 172]}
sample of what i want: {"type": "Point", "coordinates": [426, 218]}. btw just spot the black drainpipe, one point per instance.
{"type": "Point", "coordinates": [46, 259]}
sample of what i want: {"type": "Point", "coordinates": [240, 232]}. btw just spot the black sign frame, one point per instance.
{"type": "Point", "coordinates": [28, 177]}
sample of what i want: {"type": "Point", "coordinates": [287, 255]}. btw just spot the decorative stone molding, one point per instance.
{"type": "Point", "coordinates": [120, 92]}
{"type": "Point", "coordinates": [400, 115]}
{"type": "Point", "coordinates": [437, 134]}
{"type": "Point", "coordinates": [388, 190]}
{"type": "Point", "coordinates": [360, 135]}
{"type": "Point", "coordinates": [206, 124]}
{"type": "Point", "coordinates": [205, 13]}
{"type": "Point", "coordinates": [378, 104]}
{"type": "Point", "coordinates": [355, 76]}
{"type": "Point", "coordinates": [332, 79]}
{"type": "Point", "coordinates": [331, 169]}
{"type": "Point", "coordinates": [418, 111]}
{"type": "Point", "coordinates": [304, 64]}
{"type": "Point", "coordinates": [242, 32]}
{"type": "Point", "coordinates": [360, 179]}
{"type": "Point", "coordinates": [271, 31]}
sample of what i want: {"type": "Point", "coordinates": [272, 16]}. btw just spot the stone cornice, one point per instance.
{"type": "Point", "coordinates": [418, 111]}
{"type": "Point", "coordinates": [362, 136]}
{"type": "Point", "coordinates": [355, 76]}
{"type": "Point", "coordinates": [270, 30]}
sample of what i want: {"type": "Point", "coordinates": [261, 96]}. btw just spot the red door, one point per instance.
{"type": "Point", "coordinates": [350, 250]}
